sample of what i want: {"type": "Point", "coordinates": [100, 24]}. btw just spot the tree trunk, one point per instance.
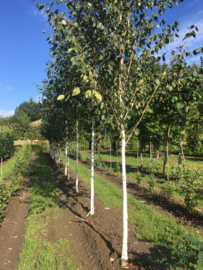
{"type": "Point", "coordinates": [157, 154]}
{"type": "Point", "coordinates": [59, 159]}
{"type": "Point", "coordinates": [66, 149]}
{"type": "Point", "coordinates": [141, 158]}
{"type": "Point", "coordinates": [125, 207]}
{"type": "Point", "coordinates": [150, 150]}
{"type": "Point", "coordinates": [55, 153]}
{"type": "Point", "coordinates": [137, 158]}
{"type": "Point", "coordinates": [110, 156]}
{"type": "Point", "coordinates": [77, 190]}
{"type": "Point", "coordinates": [66, 153]}
{"type": "Point", "coordinates": [166, 149]}
{"type": "Point", "coordinates": [182, 138]}
{"type": "Point", "coordinates": [68, 158]}
{"type": "Point", "coordinates": [92, 171]}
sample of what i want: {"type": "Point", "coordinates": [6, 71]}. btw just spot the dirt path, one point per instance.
{"type": "Point", "coordinates": [13, 225]}
{"type": "Point", "coordinates": [98, 239]}
{"type": "Point", "coordinates": [172, 208]}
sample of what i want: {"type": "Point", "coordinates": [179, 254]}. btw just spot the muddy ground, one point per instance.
{"type": "Point", "coordinates": [96, 241]}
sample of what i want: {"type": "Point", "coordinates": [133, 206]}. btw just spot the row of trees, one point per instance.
{"type": "Point", "coordinates": [106, 76]}
{"type": "Point", "coordinates": [26, 113]}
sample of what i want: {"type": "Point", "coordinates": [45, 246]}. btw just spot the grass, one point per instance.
{"type": "Point", "coordinates": [150, 225]}
{"type": "Point", "coordinates": [38, 252]}
{"type": "Point", "coordinates": [8, 167]}
{"type": "Point", "coordinates": [132, 160]}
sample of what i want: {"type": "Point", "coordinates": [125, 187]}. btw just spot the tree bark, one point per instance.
{"type": "Point", "coordinates": [92, 171]}
{"type": "Point", "coordinates": [180, 154]}
{"type": "Point", "coordinates": [77, 190]}
{"type": "Point", "coordinates": [125, 207]}
{"type": "Point", "coordinates": [141, 158]}
{"type": "Point", "coordinates": [166, 149]}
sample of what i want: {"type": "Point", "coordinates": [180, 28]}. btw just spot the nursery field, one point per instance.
{"type": "Point", "coordinates": [160, 182]}
{"type": "Point", "coordinates": [46, 225]}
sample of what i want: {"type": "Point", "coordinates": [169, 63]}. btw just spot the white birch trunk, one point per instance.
{"type": "Point", "coordinates": [92, 171]}
{"type": "Point", "coordinates": [55, 153]}
{"type": "Point", "coordinates": [137, 158]}
{"type": "Point", "coordinates": [110, 156]}
{"type": "Point", "coordinates": [59, 156]}
{"type": "Point", "coordinates": [66, 152]}
{"type": "Point", "coordinates": [125, 207]}
{"type": "Point", "coordinates": [77, 190]}
{"type": "Point", "coordinates": [124, 255]}
{"type": "Point", "coordinates": [68, 159]}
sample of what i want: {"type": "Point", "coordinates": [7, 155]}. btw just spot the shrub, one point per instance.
{"type": "Point", "coordinates": [7, 148]}
{"type": "Point", "coordinates": [14, 183]}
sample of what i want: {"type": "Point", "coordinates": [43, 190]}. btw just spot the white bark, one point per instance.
{"type": "Point", "coordinates": [59, 155]}
{"type": "Point", "coordinates": [55, 153]}
{"type": "Point", "coordinates": [110, 156]}
{"type": "Point", "coordinates": [124, 255]}
{"type": "Point", "coordinates": [137, 158]}
{"type": "Point", "coordinates": [66, 157]}
{"type": "Point", "coordinates": [125, 207]}
{"type": "Point", "coordinates": [92, 171]}
{"type": "Point", "coordinates": [77, 158]}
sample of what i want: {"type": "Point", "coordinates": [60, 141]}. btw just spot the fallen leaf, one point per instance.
{"type": "Point", "coordinates": [112, 259]}
{"type": "Point", "coordinates": [197, 231]}
{"type": "Point", "coordinates": [15, 236]}
{"type": "Point", "coordinates": [70, 222]}
{"type": "Point", "coordinates": [10, 248]}
{"type": "Point", "coordinates": [107, 208]}
{"type": "Point", "coordinates": [15, 222]}
{"type": "Point", "coordinates": [9, 261]}
{"type": "Point", "coordinates": [70, 234]}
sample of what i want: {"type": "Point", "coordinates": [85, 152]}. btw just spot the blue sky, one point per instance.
{"type": "Point", "coordinates": [24, 49]}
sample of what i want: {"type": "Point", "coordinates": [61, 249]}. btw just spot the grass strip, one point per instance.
{"type": "Point", "coordinates": [145, 178]}
{"type": "Point", "coordinates": [150, 225]}
{"type": "Point", "coordinates": [8, 167]}
{"type": "Point", "coordinates": [38, 252]}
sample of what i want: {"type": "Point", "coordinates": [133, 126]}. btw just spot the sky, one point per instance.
{"type": "Point", "coordinates": [24, 50]}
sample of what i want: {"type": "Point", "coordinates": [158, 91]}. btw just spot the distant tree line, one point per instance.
{"type": "Point", "coordinates": [26, 113]}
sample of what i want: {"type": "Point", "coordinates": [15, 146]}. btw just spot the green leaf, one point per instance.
{"type": "Point", "coordinates": [76, 91]}
{"type": "Point", "coordinates": [61, 97]}
{"type": "Point", "coordinates": [157, 82]}
{"type": "Point", "coordinates": [92, 93]}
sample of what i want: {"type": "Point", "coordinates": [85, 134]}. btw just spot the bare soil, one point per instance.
{"type": "Point", "coordinates": [96, 241]}
{"type": "Point", "coordinates": [12, 228]}
{"type": "Point", "coordinates": [98, 238]}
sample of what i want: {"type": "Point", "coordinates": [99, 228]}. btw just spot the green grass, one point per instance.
{"type": "Point", "coordinates": [38, 252]}
{"type": "Point", "coordinates": [150, 225]}
{"type": "Point", "coordinates": [132, 160]}
{"type": "Point", "coordinates": [8, 167]}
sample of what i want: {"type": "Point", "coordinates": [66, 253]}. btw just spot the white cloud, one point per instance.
{"type": "Point", "coordinates": [191, 43]}
{"type": "Point", "coordinates": [6, 87]}
{"type": "Point", "coordinates": [38, 98]}
{"type": "Point", "coordinates": [6, 113]}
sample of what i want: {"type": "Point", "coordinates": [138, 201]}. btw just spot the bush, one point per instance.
{"type": "Point", "coordinates": [7, 148]}
{"type": "Point", "coordinates": [39, 146]}
{"type": "Point", "coordinates": [189, 256]}
{"type": "Point", "coordinates": [14, 183]}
